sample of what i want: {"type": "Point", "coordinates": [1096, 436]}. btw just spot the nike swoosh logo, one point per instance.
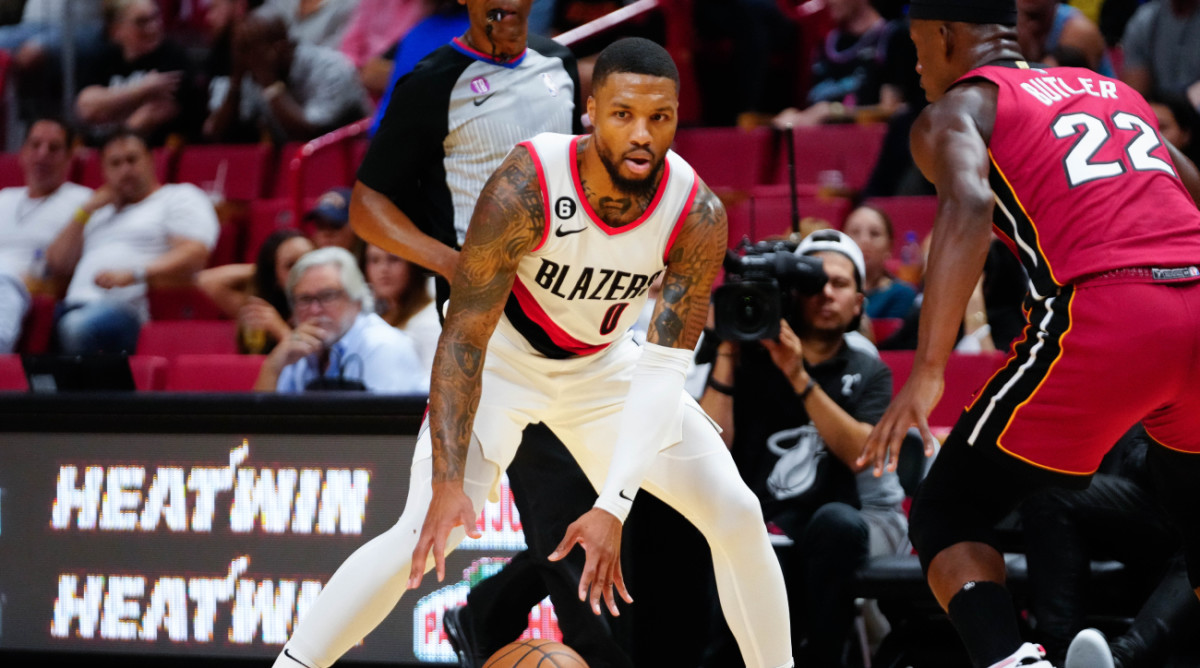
{"type": "Point", "coordinates": [481, 100]}
{"type": "Point", "coordinates": [560, 232]}
{"type": "Point", "coordinates": [621, 494]}
{"type": "Point", "coordinates": [289, 655]}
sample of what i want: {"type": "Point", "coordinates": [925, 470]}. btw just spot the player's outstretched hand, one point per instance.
{"type": "Point", "coordinates": [450, 507]}
{"type": "Point", "coordinates": [599, 532]}
{"type": "Point", "coordinates": [910, 407]}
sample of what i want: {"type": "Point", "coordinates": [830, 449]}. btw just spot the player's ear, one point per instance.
{"type": "Point", "coordinates": [591, 109]}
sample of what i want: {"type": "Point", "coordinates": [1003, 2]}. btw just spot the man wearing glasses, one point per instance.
{"type": "Point", "coordinates": [338, 341]}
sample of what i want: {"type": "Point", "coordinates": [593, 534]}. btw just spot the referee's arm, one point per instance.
{"type": "Point", "coordinates": [379, 221]}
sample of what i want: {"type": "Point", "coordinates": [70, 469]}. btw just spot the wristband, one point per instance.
{"type": "Point", "coordinates": [807, 389]}
{"type": "Point", "coordinates": [81, 216]}
{"type": "Point", "coordinates": [727, 390]}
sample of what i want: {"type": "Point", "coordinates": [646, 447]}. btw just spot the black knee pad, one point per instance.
{"type": "Point", "coordinates": [1174, 475]}
{"type": "Point", "coordinates": [963, 498]}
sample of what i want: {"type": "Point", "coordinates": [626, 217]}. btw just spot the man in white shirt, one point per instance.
{"type": "Point", "coordinates": [132, 231]}
{"type": "Point", "coordinates": [339, 341]}
{"type": "Point", "coordinates": [31, 217]}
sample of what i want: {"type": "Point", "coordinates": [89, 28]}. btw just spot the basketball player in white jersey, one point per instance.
{"type": "Point", "coordinates": [565, 240]}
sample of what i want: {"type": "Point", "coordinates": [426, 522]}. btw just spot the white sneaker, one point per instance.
{"type": "Point", "coordinates": [1028, 656]}
{"type": "Point", "coordinates": [1089, 649]}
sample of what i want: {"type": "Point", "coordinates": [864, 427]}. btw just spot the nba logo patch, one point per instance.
{"type": "Point", "coordinates": [480, 85]}
{"type": "Point", "coordinates": [550, 85]}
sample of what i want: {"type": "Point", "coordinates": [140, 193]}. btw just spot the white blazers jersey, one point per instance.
{"type": "Point", "coordinates": [584, 285]}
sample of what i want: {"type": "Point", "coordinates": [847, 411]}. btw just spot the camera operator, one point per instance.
{"type": "Point", "coordinates": [796, 411]}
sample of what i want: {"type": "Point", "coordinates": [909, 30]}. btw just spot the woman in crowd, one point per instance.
{"type": "Point", "coordinates": [887, 296]}
{"type": "Point", "coordinates": [402, 299]}
{"type": "Point", "coordinates": [255, 294]}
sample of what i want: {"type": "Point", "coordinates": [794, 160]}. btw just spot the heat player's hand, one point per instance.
{"type": "Point", "coordinates": [450, 508]}
{"type": "Point", "coordinates": [910, 407]}
{"type": "Point", "coordinates": [599, 532]}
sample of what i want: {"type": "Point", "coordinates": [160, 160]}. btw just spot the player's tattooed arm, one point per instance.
{"type": "Point", "coordinates": [692, 264]}
{"type": "Point", "coordinates": [509, 221]}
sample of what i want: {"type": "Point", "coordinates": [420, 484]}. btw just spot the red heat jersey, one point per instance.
{"type": "Point", "coordinates": [1083, 180]}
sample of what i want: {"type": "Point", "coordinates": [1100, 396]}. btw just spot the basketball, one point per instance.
{"type": "Point", "coordinates": [537, 652]}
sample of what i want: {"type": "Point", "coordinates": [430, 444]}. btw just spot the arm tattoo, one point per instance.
{"type": "Point", "coordinates": [509, 220]}
{"type": "Point", "coordinates": [693, 263]}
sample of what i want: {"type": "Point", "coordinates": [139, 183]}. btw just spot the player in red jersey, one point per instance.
{"type": "Point", "coordinates": [1070, 169]}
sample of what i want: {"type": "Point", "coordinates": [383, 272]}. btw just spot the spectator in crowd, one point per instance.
{"type": "Point", "coordinates": [447, 20]}
{"type": "Point", "coordinates": [865, 69]}
{"type": "Point", "coordinates": [1119, 516]}
{"type": "Point", "coordinates": [31, 217]}
{"type": "Point", "coordinates": [35, 45]}
{"type": "Point", "coordinates": [402, 299]}
{"type": "Point", "coordinates": [142, 81]}
{"type": "Point", "coordinates": [327, 222]}
{"type": "Point", "coordinates": [223, 17]}
{"type": "Point", "coordinates": [799, 409]}
{"type": "Point", "coordinates": [256, 294]}
{"type": "Point", "coordinates": [339, 342]}
{"type": "Point", "coordinates": [1046, 28]}
{"type": "Point", "coordinates": [1178, 123]}
{"type": "Point", "coordinates": [1162, 51]}
{"type": "Point", "coordinates": [292, 91]}
{"type": "Point", "coordinates": [887, 296]}
{"type": "Point", "coordinates": [132, 231]}
{"type": "Point", "coordinates": [314, 22]}
{"type": "Point", "coordinates": [375, 27]}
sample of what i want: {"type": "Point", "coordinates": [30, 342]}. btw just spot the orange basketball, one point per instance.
{"type": "Point", "coordinates": [537, 652]}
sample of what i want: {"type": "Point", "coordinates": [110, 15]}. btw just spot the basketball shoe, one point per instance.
{"type": "Point", "coordinates": [1028, 655]}
{"type": "Point", "coordinates": [1089, 649]}
{"type": "Point", "coordinates": [456, 622]}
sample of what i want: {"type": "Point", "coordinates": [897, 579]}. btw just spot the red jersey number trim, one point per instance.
{"type": "Point", "coordinates": [1083, 180]}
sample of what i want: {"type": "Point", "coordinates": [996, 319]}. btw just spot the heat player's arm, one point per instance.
{"type": "Point", "coordinates": [1187, 172]}
{"type": "Point", "coordinates": [951, 151]}
{"type": "Point", "coordinates": [652, 415]}
{"type": "Point", "coordinates": [508, 222]}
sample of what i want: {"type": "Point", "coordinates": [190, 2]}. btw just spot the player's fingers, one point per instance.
{"type": "Point", "coordinates": [610, 599]}
{"type": "Point", "coordinates": [439, 555]}
{"type": "Point", "coordinates": [417, 568]}
{"type": "Point", "coordinates": [619, 580]}
{"type": "Point", "coordinates": [565, 545]}
{"type": "Point", "coordinates": [587, 577]}
{"type": "Point", "coordinates": [597, 590]}
{"type": "Point", "coordinates": [468, 523]}
{"type": "Point", "coordinates": [927, 436]}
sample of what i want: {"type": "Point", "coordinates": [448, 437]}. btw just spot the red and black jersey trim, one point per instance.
{"type": "Point", "coordinates": [536, 326]}
{"type": "Point", "coordinates": [1019, 232]}
{"type": "Point", "coordinates": [985, 421]}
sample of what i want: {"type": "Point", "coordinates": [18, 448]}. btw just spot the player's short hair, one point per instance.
{"type": "Point", "coordinates": [634, 55]}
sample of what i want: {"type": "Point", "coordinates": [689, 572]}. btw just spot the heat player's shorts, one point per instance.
{"type": "Point", "coordinates": [1093, 361]}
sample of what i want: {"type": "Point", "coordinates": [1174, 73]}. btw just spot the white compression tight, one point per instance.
{"type": "Point", "coordinates": [697, 477]}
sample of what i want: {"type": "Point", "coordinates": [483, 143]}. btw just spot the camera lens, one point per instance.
{"type": "Point", "coordinates": [749, 313]}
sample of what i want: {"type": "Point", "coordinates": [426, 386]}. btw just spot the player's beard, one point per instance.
{"type": "Point", "coordinates": [635, 188]}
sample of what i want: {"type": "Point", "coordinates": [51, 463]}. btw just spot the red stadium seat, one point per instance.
{"type": "Point", "coordinates": [39, 326]}
{"type": "Point", "coordinates": [267, 216]}
{"type": "Point", "coordinates": [238, 172]}
{"type": "Point", "coordinates": [182, 303]}
{"type": "Point", "coordinates": [214, 373]}
{"type": "Point", "coordinates": [12, 374]}
{"type": "Point", "coordinates": [171, 338]}
{"type": "Point", "coordinates": [327, 168]}
{"type": "Point", "coordinates": [10, 171]}
{"type": "Point", "coordinates": [149, 372]}
{"type": "Point", "coordinates": [771, 210]}
{"type": "Point", "coordinates": [882, 328]}
{"type": "Point", "coordinates": [727, 158]}
{"type": "Point", "coordinates": [965, 375]}
{"type": "Point", "coordinates": [914, 214]}
{"type": "Point", "coordinates": [849, 149]}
